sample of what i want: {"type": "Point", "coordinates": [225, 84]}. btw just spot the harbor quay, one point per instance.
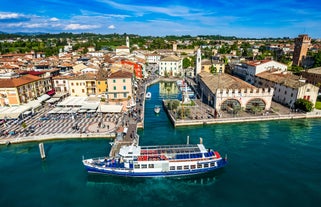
{"type": "Point", "coordinates": [202, 114]}
{"type": "Point", "coordinates": [122, 127]}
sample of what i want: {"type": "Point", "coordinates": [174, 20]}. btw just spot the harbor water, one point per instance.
{"type": "Point", "coordinates": [276, 163]}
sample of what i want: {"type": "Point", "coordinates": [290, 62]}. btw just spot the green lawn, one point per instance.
{"type": "Point", "coordinates": [318, 105]}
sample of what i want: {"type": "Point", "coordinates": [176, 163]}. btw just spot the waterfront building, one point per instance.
{"type": "Point", "coordinates": [302, 43]}
{"type": "Point", "coordinates": [313, 76]}
{"type": "Point", "coordinates": [61, 84]}
{"type": "Point", "coordinates": [171, 65]}
{"type": "Point", "coordinates": [248, 70]}
{"type": "Point", "coordinates": [83, 85]}
{"type": "Point", "coordinates": [88, 84]}
{"type": "Point", "coordinates": [101, 82]}
{"type": "Point", "coordinates": [228, 93]}
{"type": "Point", "coordinates": [287, 87]}
{"type": "Point", "coordinates": [20, 90]}
{"type": "Point", "coordinates": [120, 85]}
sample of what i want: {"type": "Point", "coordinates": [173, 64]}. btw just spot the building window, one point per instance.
{"type": "Point", "coordinates": [83, 90]}
{"type": "Point", "coordinates": [125, 95]}
{"type": "Point", "coordinates": [150, 165]}
{"type": "Point", "coordinates": [124, 87]}
{"type": "Point", "coordinates": [186, 167]}
{"type": "Point", "coordinates": [114, 81]}
{"type": "Point", "coordinates": [77, 84]}
{"type": "Point", "coordinates": [124, 81]}
{"type": "Point", "coordinates": [98, 82]}
{"type": "Point", "coordinates": [114, 88]}
{"type": "Point", "coordinates": [72, 84]}
{"type": "Point", "coordinates": [206, 165]}
{"type": "Point", "coordinates": [73, 90]}
{"type": "Point", "coordinates": [115, 95]}
{"type": "Point", "coordinates": [199, 165]}
{"type": "Point", "coordinates": [57, 82]}
{"type": "Point", "coordinates": [136, 166]}
{"type": "Point", "coordinates": [144, 165]}
{"type": "Point", "coordinates": [308, 89]}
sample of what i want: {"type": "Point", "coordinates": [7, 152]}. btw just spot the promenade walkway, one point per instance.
{"type": "Point", "coordinates": [43, 126]}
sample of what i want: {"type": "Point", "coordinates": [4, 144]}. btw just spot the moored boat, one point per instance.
{"type": "Point", "coordinates": [148, 95]}
{"type": "Point", "coordinates": [157, 109]}
{"type": "Point", "coordinates": [157, 161]}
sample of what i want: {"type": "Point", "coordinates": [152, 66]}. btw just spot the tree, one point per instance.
{"type": "Point", "coordinates": [183, 112]}
{"type": "Point", "coordinates": [213, 69]}
{"type": "Point", "coordinates": [296, 69]}
{"type": "Point", "coordinates": [173, 104]}
{"type": "Point", "coordinates": [186, 62]}
{"type": "Point", "coordinates": [317, 60]}
{"type": "Point", "coordinates": [303, 105]}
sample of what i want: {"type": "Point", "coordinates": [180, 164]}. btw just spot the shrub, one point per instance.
{"type": "Point", "coordinates": [303, 105]}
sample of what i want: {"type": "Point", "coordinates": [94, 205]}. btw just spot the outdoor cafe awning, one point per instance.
{"type": "Point", "coordinates": [110, 108]}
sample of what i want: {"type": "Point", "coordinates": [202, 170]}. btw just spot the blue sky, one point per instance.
{"type": "Point", "coordinates": [253, 18]}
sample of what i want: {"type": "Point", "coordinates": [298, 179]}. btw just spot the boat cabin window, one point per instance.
{"type": "Point", "coordinates": [206, 165]}
{"type": "Point", "coordinates": [151, 166]}
{"type": "Point", "coordinates": [186, 167]}
{"type": "Point", "coordinates": [179, 167]}
{"type": "Point", "coordinates": [172, 168]}
{"type": "Point", "coordinates": [199, 166]}
{"type": "Point", "coordinates": [212, 164]}
{"type": "Point", "coordinates": [193, 166]}
{"type": "Point", "coordinates": [137, 166]}
{"type": "Point", "coordinates": [144, 165]}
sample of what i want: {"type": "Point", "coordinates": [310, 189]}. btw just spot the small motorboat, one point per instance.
{"type": "Point", "coordinates": [148, 95]}
{"type": "Point", "coordinates": [157, 109]}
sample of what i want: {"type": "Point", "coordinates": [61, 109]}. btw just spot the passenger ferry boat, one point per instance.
{"type": "Point", "coordinates": [157, 161]}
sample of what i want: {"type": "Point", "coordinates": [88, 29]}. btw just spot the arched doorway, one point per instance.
{"type": "Point", "coordinates": [255, 105]}
{"type": "Point", "coordinates": [231, 106]}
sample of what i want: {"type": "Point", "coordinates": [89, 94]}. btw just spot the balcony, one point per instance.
{"type": "Point", "coordinates": [91, 86]}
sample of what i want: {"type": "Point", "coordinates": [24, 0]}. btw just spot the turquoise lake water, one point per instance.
{"type": "Point", "coordinates": [274, 163]}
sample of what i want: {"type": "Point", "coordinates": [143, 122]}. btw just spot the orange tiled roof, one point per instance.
{"type": "Point", "coordinates": [15, 82]}
{"type": "Point", "coordinates": [121, 74]}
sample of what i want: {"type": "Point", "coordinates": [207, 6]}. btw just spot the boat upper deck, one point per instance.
{"type": "Point", "coordinates": [174, 149]}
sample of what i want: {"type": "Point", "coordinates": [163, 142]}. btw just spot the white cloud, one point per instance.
{"type": "Point", "coordinates": [54, 19]}
{"type": "Point", "coordinates": [170, 10]}
{"type": "Point", "coordinates": [111, 26]}
{"type": "Point", "coordinates": [6, 15]}
{"type": "Point", "coordinates": [80, 27]}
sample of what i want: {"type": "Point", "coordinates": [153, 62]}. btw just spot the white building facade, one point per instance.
{"type": "Point", "coordinates": [247, 71]}
{"type": "Point", "coordinates": [171, 66]}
